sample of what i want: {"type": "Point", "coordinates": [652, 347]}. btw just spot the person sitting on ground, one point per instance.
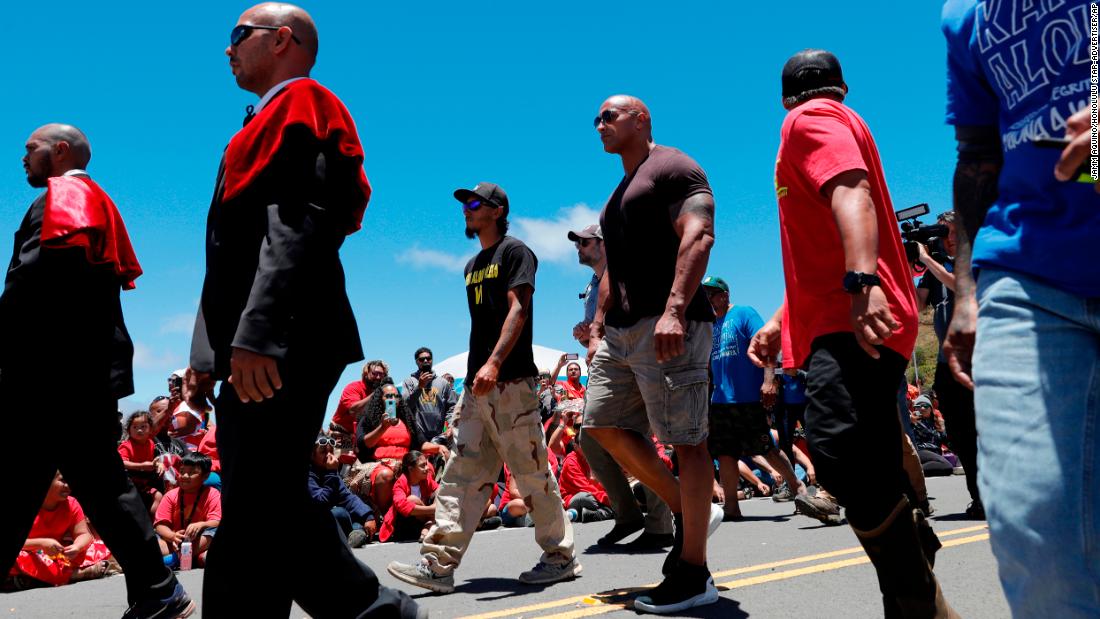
{"type": "Point", "coordinates": [61, 546]}
{"type": "Point", "coordinates": [583, 497]}
{"type": "Point", "coordinates": [514, 510]}
{"type": "Point", "coordinates": [140, 461]}
{"type": "Point", "coordinates": [930, 439]}
{"type": "Point", "coordinates": [413, 509]}
{"type": "Point", "coordinates": [187, 426]}
{"type": "Point", "coordinates": [354, 399]}
{"type": "Point", "coordinates": [326, 488]}
{"type": "Point", "coordinates": [209, 447]}
{"type": "Point", "coordinates": [190, 512]}
{"type": "Point", "coordinates": [386, 439]}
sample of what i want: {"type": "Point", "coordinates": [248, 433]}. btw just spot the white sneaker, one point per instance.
{"type": "Point", "coordinates": [716, 515]}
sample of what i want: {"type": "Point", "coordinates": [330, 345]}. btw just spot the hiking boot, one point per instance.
{"type": "Point", "coordinates": [179, 604]}
{"type": "Point", "coordinates": [545, 573]}
{"type": "Point", "coordinates": [686, 586]}
{"type": "Point", "coordinates": [422, 575]}
{"type": "Point", "coordinates": [619, 532]}
{"type": "Point", "coordinates": [975, 511]}
{"type": "Point", "coordinates": [357, 538]}
{"type": "Point", "coordinates": [818, 508]}
{"type": "Point", "coordinates": [716, 516]}
{"type": "Point", "coordinates": [783, 493]}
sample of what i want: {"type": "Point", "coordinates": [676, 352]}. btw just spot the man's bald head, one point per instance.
{"type": "Point", "coordinates": [54, 149]}
{"type": "Point", "coordinates": [284, 48]}
{"type": "Point", "coordinates": [294, 17]}
{"type": "Point", "coordinates": [626, 123]}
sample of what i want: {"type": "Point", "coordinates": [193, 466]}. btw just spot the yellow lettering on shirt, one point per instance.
{"type": "Point", "coordinates": [474, 278]}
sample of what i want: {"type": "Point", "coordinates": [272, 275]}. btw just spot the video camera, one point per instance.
{"type": "Point", "coordinates": [913, 231]}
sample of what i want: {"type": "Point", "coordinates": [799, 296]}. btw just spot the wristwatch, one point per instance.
{"type": "Point", "coordinates": [855, 282]}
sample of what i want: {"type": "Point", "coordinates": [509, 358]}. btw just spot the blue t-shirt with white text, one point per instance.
{"type": "Point", "coordinates": [736, 379]}
{"type": "Point", "coordinates": [1023, 67]}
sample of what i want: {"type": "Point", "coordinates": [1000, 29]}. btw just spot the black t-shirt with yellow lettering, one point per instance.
{"type": "Point", "coordinates": [489, 276]}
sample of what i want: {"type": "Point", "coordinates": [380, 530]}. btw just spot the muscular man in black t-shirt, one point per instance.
{"type": "Point", "coordinates": [648, 367]}
{"type": "Point", "coordinates": [497, 419]}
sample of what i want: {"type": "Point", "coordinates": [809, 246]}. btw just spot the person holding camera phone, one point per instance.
{"type": "Point", "coordinates": [1026, 334]}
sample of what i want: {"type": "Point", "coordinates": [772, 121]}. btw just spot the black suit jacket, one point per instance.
{"type": "Point", "coordinates": [274, 282]}
{"type": "Point", "coordinates": [61, 318]}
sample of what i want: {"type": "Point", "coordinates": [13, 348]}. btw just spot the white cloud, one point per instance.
{"type": "Point", "coordinates": [433, 258]}
{"type": "Point", "coordinates": [146, 359]}
{"type": "Point", "coordinates": [548, 237]}
{"type": "Point", "coordinates": [178, 323]}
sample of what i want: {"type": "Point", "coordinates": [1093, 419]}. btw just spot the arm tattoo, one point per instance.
{"type": "Point", "coordinates": [700, 205]}
{"type": "Point", "coordinates": [975, 189]}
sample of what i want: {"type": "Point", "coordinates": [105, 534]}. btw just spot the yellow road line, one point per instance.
{"type": "Point", "coordinates": [603, 607]}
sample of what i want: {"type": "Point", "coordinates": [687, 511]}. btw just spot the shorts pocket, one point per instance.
{"type": "Point", "coordinates": [685, 403]}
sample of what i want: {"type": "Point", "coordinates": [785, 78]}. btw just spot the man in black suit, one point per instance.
{"type": "Point", "coordinates": [61, 323]}
{"type": "Point", "coordinates": [276, 325]}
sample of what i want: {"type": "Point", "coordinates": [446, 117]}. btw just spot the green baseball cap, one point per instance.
{"type": "Point", "coordinates": [716, 282]}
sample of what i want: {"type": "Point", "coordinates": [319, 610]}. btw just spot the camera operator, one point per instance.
{"type": "Point", "coordinates": [937, 289]}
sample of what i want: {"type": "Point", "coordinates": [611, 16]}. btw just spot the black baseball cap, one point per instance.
{"type": "Point", "coordinates": [810, 69]}
{"type": "Point", "coordinates": [488, 192]}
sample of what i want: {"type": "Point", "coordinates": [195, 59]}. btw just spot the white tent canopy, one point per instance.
{"type": "Point", "coordinates": [545, 360]}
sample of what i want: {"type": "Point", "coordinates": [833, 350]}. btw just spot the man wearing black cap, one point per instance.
{"type": "Point", "coordinates": [850, 318]}
{"type": "Point", "coordinates": [656, 522]}
{"type": "Point", "coordinates": [496, 420]}
{"type": "Point", "coordinates": [648, 367]}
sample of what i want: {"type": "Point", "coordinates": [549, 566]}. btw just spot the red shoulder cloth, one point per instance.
{"type": "Point", "coordinates": [304, 102]}
{"type": "Point", "coordinates": [80, 214]}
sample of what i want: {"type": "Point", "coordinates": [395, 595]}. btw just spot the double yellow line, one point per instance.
{"type": "Point", "coordinates": [598, 604]}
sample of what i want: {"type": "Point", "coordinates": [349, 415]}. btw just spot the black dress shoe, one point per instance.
{"type": "Point", "coordinates": [618, 533]}
{"type": "Point", "coordinates": [651, 541]}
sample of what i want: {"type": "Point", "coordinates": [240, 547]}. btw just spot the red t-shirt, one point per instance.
{"type": "Point", "coordinates": [819, 140]}
{"type": "Point", "coordinates": [570, 392]}
{"type": "Point", "coordinates": [209, 446]}
{"type": "Point", "coordinates": [394, 442]}
{"type": "Point", "coordinates": [170, 511]}
{"type": "Point", "coordinates": [58, 524]}
{"type": "Point", "coordinates": [575, 478]}
{"type": "Point", "coordinates": [402, 505]}
{"type": "Point", "coordinates": [132, 451]}
{"type": "Point", "coordinates": [353, 392]}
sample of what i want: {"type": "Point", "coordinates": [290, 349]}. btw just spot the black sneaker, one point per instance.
{"type": "Point", "coordinates": [686, 587]}
{"type": "Point", "coordinates": [490, 523]}
{"type": "Point", "coordinates": [619, 532]}
{"type": "Point", "coordinates": [975, 511]}
{"type": "Point", "coordinates": [179, 604]}
{"type": "Point", "coordinates": [716, 517]}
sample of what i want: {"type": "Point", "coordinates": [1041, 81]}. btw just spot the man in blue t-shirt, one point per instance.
{"type": "Point", "coordinates": [1018, 72]}
{"type": "Point", "coordinates": [738, 419]}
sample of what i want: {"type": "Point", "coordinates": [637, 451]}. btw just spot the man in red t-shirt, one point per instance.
{"type": "Point", "coordinates": [354, 399]}
{"type": "Point", "coordinates": [850, 319]}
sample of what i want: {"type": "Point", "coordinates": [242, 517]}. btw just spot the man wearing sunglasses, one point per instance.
{"type": "Point", "coordinates": [650, 340]}
{"type": "Point", "coordinates": [497, 420]}
{"type": "Point", "coordinates": [275, 324]}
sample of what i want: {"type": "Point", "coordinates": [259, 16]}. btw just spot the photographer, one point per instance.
{"type": "Point", "coordinates": [432, 400]}
{"type": "Point", "coordinates": [937, 289]}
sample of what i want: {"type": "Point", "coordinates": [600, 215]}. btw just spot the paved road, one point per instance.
{"type": "Point", "coordinates": [773, 565]}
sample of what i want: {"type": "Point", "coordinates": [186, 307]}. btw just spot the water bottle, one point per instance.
{"type": "Point", "coordinates": [185, 556]}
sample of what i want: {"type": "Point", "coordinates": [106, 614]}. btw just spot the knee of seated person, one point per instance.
{"type": "Point", "coordinates": [516, 508]}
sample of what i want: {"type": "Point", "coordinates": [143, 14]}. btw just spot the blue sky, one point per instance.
{"type": "Point", "coordinates": [446, 95]}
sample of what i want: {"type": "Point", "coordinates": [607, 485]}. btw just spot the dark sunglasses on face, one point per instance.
{"type": "Point", "coordinates": [242, 32]}
{"type": "Point", "coordinates": [422, 359]}
{"type": "Point", "coordinates": [583, 242]}
{"type": "Point", "coordinates": [473, 205]}
{"type": "Point", "coordinates": [609, 116]}
{"type": "Point", "coordinates": [389, 396]}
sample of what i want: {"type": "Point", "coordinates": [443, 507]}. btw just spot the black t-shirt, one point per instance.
{"type": "Point", "coordinates": [640, 241]}
{"type": "Point", "coordinates": [942, 300]}
{"type": "Point", "coordinates": [489, 276]}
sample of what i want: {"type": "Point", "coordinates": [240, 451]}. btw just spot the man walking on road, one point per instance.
{"type": "Point", "coordinates": [497, 419]}
{"type": "Point", "coordinates": [648, 367]}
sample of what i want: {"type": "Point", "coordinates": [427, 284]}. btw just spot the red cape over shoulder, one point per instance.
{"type": "Point", "coordinates": [80, 214]}
{"type": "Point", "coordinates": [304, 102]}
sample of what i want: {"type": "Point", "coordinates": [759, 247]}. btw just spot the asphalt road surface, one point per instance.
{"type": "Point", "coordinates": [774, 564]}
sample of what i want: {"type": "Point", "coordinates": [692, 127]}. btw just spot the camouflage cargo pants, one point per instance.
{"type": "Point", "coordinates": [501, 426]}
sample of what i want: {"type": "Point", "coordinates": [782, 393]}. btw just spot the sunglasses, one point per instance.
{"type": "Point", "coordinates": [389, 396]}
{"type": "Point", "coordinates": [924, 406]}
{"type": "Point", "coordinates": [325, 441]}
{"type": "Point", "coordinates": [424, 359]}
{"type": "Point", "coordinates": [242, 32]}
{"type": "Point", "coordinates": [473, 205]}
{"type": "Point", "coordinates": [609, 116]}
{"type": "Point", "coordinates": [582, 242]}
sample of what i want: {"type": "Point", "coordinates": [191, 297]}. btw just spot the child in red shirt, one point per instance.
{"type": "Point", "coordinates": [139, 459]}
{"type": "Point", "coordinates": [46, 558]}
{"type": "Point", "coordinates": [413, 510]}
{"type": "Point", "coordinates": [582, 495]}
{"type": "Point", "coordinates": [190, 512]}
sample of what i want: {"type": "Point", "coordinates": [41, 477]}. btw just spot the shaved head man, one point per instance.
{"type": "Point", "coordinates": [73, 245]}
{"type": "Point", "coordinates": [290, 189]}
{"type": "Point", "coordinates": [54, 149]}
{"type": "Point", "coordinates": [649, 343]}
